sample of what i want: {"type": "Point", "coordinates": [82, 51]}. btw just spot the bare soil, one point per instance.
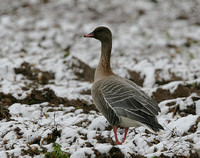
{"type": "Point", "coordinates": [181, 91]}
{"type": "Point", "coordinates": [34, 74]}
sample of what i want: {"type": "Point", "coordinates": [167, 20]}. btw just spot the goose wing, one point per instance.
{"type": "Point", "coordinates": [128, 100]}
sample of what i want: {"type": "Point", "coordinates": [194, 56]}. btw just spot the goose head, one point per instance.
{"type": "Point", "coordinates": [101, 33]}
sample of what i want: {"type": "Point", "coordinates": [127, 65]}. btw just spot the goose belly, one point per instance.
{"type": "Point", "coordinates": [126, 122]}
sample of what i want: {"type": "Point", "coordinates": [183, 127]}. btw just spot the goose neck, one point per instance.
{"type": "Point", "coordinates": [104, 68]}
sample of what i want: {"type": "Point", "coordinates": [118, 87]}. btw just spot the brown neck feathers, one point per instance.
{"type": "Point", "coordinates": [104, 68]}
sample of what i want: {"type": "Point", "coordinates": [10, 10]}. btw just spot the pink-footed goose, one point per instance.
{"type": "Point", "coordinates": [120, 100]}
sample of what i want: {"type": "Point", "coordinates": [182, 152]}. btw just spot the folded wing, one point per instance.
{"type": "Point", "coordinates": [128, 100]}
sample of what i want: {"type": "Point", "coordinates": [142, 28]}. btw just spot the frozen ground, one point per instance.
{"type": "Point", "coordinates": [45, 88]}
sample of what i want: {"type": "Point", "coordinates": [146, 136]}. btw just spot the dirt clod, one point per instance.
{"type": "Point", "coordinates": [51, 137]}
{"type": "Point", "coordinates": [101, 139]}
{"type": "Point", "coordinates": [34, 74]}
{"type": "Point", "coordinates": [86, 92]}
{"type": "Point", "coordinates": [162, 94]}
{"type": "Point", "coordinates": [116, 153]}
{"type": "Point", "coordinates": [32, 151]}
{"type": "Point", "coordinates": [4, 112]}
{"type": "Point", "coordinates": [48, 95]}
{"type": "Point", "coordinates": [171, 103]}
{"type": "Point", "coordinates": [82, 70]}
{"type": "Point", "coordinates": [161, 81]}
{"type": "Point", "coordinates": [194, 127]}
{"type": "Point", "coordinates": [88, 144]}
{"type": "Point", "coordinates": [136, 77]}
{"type": "Point", "coordinates": [79, 104]}
{"type": "Point", "coordinates": [181, 91]}
{"type": "Point", "coordinates": [40, 96]}
{"type": "Point", "coordinates": [18, 131]}
{"type": "Point", "coordinates": [5, 101]}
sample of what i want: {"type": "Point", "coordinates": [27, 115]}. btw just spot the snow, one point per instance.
{"type": "Point", "coordinates": [103, 148]}
{"type": "Point", "coordinates": [198, 107]}
{"type": "Point", "coordinates": [39, 32]}
{"type": "Point", "coordinates": [181, 126]}
{"type": "Point", "coordinates": [99, 122]}
{"type": "Point", "coordinates": [82, 153]}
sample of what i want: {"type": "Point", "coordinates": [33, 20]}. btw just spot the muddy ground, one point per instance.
{"type": "Point", "coordinates": [47, 70]}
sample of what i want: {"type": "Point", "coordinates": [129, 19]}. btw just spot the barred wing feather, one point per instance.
{"type": "Point", "coordinates": [128, 100]}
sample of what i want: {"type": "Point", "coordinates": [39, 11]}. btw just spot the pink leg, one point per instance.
{"type": "Point", "coordinates": [126, 131]}
{"type": "Point", "coordinates": [115, 132]}
{"type": "Point", "coordinates": [116, 138]}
